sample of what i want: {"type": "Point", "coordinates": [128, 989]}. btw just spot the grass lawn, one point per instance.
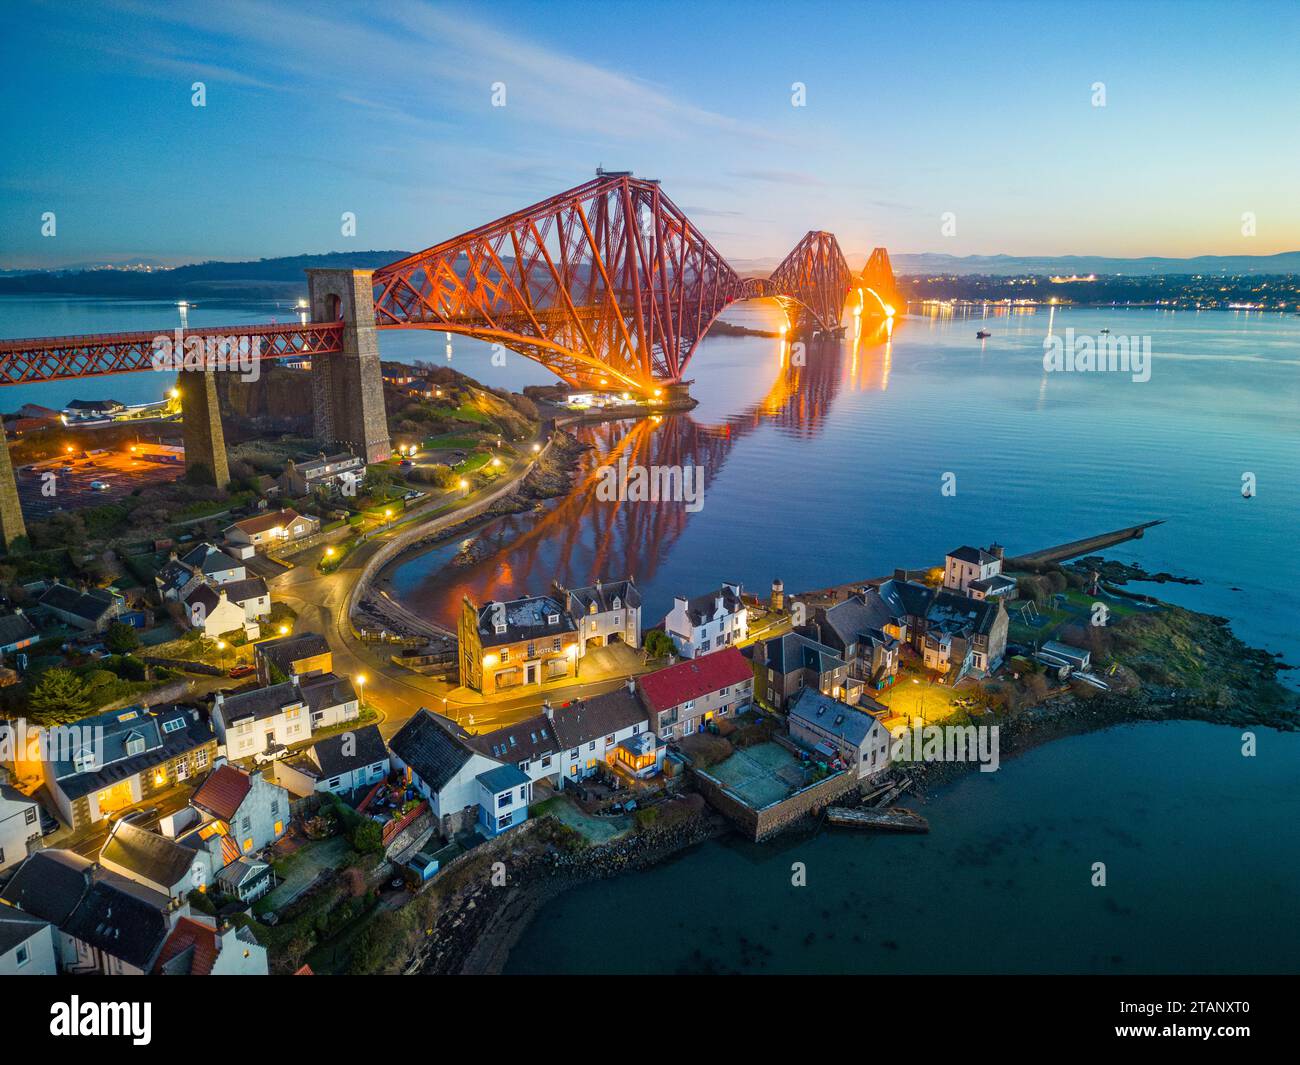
{"type": "Point", "coordinates": [475, 461]}
{"type": "Point", "coordinates": [451, 440]}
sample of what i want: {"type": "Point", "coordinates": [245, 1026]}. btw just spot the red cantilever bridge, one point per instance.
{"type": "Point", "coordinates": [608, 285]}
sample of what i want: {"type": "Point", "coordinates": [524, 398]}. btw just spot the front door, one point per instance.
{"type": "Point", "coordinates": [530, 674]}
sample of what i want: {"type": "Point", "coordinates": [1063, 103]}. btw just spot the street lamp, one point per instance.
{"type": "Point", "coordinates": [361, 691]}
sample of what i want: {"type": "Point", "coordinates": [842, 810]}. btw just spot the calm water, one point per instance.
{"type": "Point", "coordinates": [832, 471]}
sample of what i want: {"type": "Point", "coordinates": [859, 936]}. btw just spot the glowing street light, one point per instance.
{"type": "Point", "coordinates": [536, 448]}
{"type": "Point", "coordinates": [463, 484]}
{"type": "Point", "coordinates": [284, 630]}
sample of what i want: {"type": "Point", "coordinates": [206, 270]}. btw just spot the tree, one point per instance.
{"type": "Point", "coordinates": [367, 837]}
{"type": "Point", "coordinates": [658, 643]}
{"type": "Point", "coordinates": [121, 638]}
{"type": "Point", "coordinates": [59, 696]}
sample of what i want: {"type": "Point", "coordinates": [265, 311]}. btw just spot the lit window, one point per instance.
{"type": "Point", "coordinates": [248, 845]}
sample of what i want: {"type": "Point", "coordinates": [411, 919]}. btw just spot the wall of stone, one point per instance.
{"type": "Point", "coordinates": [767, 822]}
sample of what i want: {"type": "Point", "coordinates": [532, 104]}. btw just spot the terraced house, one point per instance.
{"type": "Point", "coordinates": [684, 698]}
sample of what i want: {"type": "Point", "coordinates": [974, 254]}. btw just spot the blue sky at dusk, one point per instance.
{"type": "Point", "coordinates": [913, 110]}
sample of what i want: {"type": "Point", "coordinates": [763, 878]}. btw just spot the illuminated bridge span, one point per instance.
{"type": "Point", "coordinates": [608, 285]}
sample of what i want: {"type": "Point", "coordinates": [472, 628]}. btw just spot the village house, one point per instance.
{"type": "Point", "coordinates": [976, 572]}
{"type": "Point", "coordinates": [446, 771]}
{"type": "Point", "coordinates": [832, 729]}
{"type": "Point", "coordinates": [20, 824]}
{"type": "Point", "coordinates": [518, 644]}
{"type": "Point", "coordinates": [340, 764]}
{"type": "Point", "coordinates": [117, 759]}
{"type": "Point", "coordinates": [682, 699]}
{"type": "Point", "coordinates": [214, 613]}
{"type": "Point", "coordinates": [605, 613]}
{"type": "Point", "coordinates": [266, 531]}
{"type": "Point", "coordinates": [197, 947]}
{"type": "Point", "coordinates": [16, 632]}
{"type": "Point", "coordinates": [240, 814]}
{"type": "Point", "coordinates": [263, 720]}
{"type": "Point", "coordinates": [26, 944]}
{"type": "Point", "coordinates": [964, 635]}
{"type": "Point", "coordinates": [708, 622]}
{"type": "Point", "coordinates": [247, 879]}
{"type": "Point", "coordinates": [49, 885]}
{"type": "Point", "coordinates": [304, 654]}
{"type": "Point", "coordinates": [116, 932]}
{"type": "Point", "coordinates": [204, 564]}
{"type": "Point", "coordinates": [328, 474]}
{"type": "Point", "coordinates": [90, 611]}
{"type": "Point", "coordinates": [156, 862]}
{"type": "Point", "coordinates": [785, 665]}
{"type": "Point", "coordinates": [569, 743]}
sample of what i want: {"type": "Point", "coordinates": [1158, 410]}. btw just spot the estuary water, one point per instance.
{"type": "Point", "coordinates": [831, 468]}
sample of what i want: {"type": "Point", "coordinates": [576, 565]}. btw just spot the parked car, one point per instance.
{"type": "Point", "coordinates": [133, 815]}
{"type": "Point", "coordinates": [99, 486]}
{"type": "Point", "coordinates": [243, 671]}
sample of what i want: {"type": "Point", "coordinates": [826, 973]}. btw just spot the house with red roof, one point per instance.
{"type": "Point", "coordinates": [198, 948]}
{"type": "Point", "coordinates": [239, 813]}
{"type": "Point", "coordinates": [684, 698]}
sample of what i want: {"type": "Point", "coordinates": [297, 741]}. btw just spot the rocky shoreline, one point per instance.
{"type": "Point", "coordinates": [478, 926]}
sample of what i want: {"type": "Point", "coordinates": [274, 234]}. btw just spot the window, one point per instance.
{"type": "Point", "coordinates": [245, 823]}
{"type": "Point", "coordinates": [503, 800]}
{"type": "Point", "coordinates": [546, 762]}
{"type": "Point", "coordinates": [505, 654]}
{"type": "Point", "coordinates": [552, 619]}
{"type": "Point", "coordinates": [335, 782]}
{"type": "Point", "coordinates": [609, 741]}
{"type": "Point", "coordinates": [505, 822]}
{"type": "Point", "coordinates": [279, 827]}
{"type": "Point", "coordinates": [591, 746]}
{"type": "Point", "coordinates": [573, 753]}
{"type": "Point", "coordinates": [248, 844]}
{"type": "Point", "coordinates": [275, 807]}
{"type": "Point", "coordinates": [723, 691]}
{"type": "Point", "coordinates": [523, 793]}
{"type": "Point", "coordinates": [499, 627]}
{"type": "Point", "coordinates": [22, 955]}
{"type": "Point", "coordinates": [174, 725]}
{"type": "Point", "coordinates": [29, 815]}
{"type": "Point", "coordinates": [201, 758]}
{"type": "Point", "coordinates": [555, 644]}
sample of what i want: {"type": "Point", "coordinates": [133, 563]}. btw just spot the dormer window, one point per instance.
{"type": "Point", "coordinates": [618, 603]}
{"type": "Point", "coordinates": [499, 628]}
{"type": "Point", "coordinates": [134, 744]}
{"type": "Point", "coordinates": [84, 760]}
{"type": "Point", "coordinates": [552, 619]}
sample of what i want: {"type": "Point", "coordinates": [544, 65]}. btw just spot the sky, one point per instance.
{"type": "Point", "coordinates": [982, 116]}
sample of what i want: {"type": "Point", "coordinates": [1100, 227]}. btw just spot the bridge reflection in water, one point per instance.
{"type": "Point", "coordinates": [581, 536]}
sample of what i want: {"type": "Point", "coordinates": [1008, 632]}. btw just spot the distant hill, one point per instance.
{"type": "Point", "coordinates": [1287, 262]}
{"type": "Point", "coordinates": [260, 279]}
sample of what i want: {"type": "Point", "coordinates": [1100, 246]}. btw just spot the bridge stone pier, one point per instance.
{"type": "Point", "coordinates": [205, 443]}
{"type": "Point", "coordinates": [347, 385]}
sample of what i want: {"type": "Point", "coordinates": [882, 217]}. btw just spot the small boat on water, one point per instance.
{"type": "Point", "coordinates": [983, 334]}
{"type": "Point", "coordinates": [1105, 332]}
{"type": "Point", "coordinates": [894, 819]}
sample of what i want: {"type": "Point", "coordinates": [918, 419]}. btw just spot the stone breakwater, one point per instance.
{"type": "Point", "coordinates": [477, 926]}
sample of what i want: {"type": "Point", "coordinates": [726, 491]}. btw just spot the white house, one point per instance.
{"type": "Point", "coordinates": [26, 944]}
{"type": "Point", "coordinates": [252, 595]}
{"type": "Point", "coordinates": [20, 825]}
{"type": "Point", "coordinates": [442, 768]}
{"type": "Point", "coordinates": [339, 764]}
{"type": "Point", "coordinates": [254, 722]}
{"type": "Point", "coordinates": [971, 571]}
{"type": "Point", "coordinates": [708, 622]}
{"type": "Point", "coordinates": [605, 613]}
{"type": "Point", "coordinates": [196, 947]}
{"type": "Point", "coordinates": [241, 813]}
{"type": "Point", "coordinates": [156, 862]}
{"type": "Point", "coordinates": [212, 612]}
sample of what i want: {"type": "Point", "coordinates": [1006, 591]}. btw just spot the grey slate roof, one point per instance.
{"type": "Point", "coordinates": [117, 764]}
{"type": "Point", "coordinates": [524, 741]}
{"type": "Point", "coordinates": [602, 597]}
{"type": "Point", "coordinates": [794, 651]}
{"type": "Point", "coordinates": [977, 556]}
{"type": "Point", "coordinates": [526, 619]}
{"type": "Point", "coordinates": [430, 750]}
{"type": "Point", "coordinates": [502, 778]}
{"type": "Point", "coordinates": [260, 703]}
{"type": "Point", "coordinates": [285, 650]}
{"type": "Point", "coordinates": [120, 924]}
{"type": "Point", "coordinates": [369, 749]}
{"type": "Point", "coordinates": [49, 884]}
{"type": "Point", "coordinates": [147, 854]}
{"type": "Point", "coordinates": [241, 591]}
{"type": "Point", "coordinates": [702, 608]}
{"type": "Point", "coordinates": [17, 927]}
{"type": "Point", "coordinates": [327, 690]}
{"type": "Point", "coordinates": [91, 605]}
{"type": "Point", "coordinates": [584, 720]}
{"type": "Point", "coordinates": [14, 628]}
{"type": "Point", "coordinates": [831, 715]}
{"type": "Point", "coordinates": [209, 559]}
{"type": "Point", "coordinates": [999, 581]}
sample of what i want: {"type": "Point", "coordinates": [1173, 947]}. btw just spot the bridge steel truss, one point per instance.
{"type": "Point", "coordinates": [93, 355]}
{"type": "Point", "coordinates": [607, 285]}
